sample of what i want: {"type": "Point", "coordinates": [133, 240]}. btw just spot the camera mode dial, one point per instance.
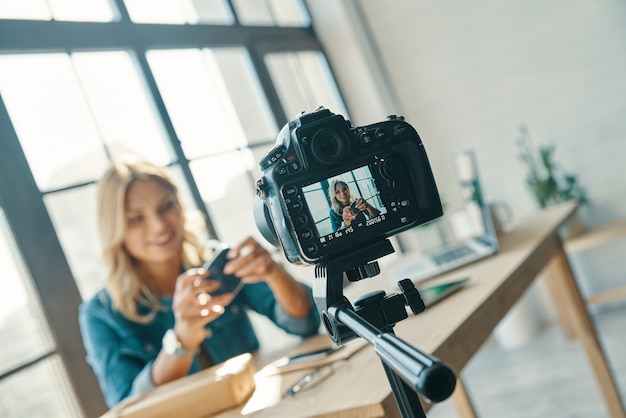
{"type": "Point", "coordinates": [275, 154]}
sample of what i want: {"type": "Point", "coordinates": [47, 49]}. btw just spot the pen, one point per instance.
{"type": "Point", "coordinates": [313, 378]}
{"type": "Point", "coordinates": [313, 355]}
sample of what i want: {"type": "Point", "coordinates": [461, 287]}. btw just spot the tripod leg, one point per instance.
{"type": "Point", "coordinates": [407, 399]}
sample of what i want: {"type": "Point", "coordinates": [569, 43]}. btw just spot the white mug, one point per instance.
{"type": "Point", "coordinates": [502, 216]}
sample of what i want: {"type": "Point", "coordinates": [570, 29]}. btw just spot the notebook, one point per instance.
{"type": "Point", "coordinates": [461, 236]}
{"type": "Point", "coordinates": [434, 293]}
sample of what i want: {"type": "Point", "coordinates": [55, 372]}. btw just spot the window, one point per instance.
{"type": "Point", "coordinates": [23, 325]}
{"type": "Point", "coordinates": [207, 103]}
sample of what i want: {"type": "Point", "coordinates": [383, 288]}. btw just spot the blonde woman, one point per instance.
{"type": "Point", "coordinates": [155, 321]}
{"type": "Point", "coordinates": [345, 209]}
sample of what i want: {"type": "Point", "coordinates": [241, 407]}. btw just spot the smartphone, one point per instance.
{"type": "Point", "coordinates": [353, 208]}
{"type": "Point", "coordinates": [229, 283]}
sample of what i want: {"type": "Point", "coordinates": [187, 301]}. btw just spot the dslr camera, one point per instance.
{"type": "Point", "coordinates": [384, 163]}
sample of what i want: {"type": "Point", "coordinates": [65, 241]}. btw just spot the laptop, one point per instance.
{"type": "Point", "coordinates": [463, 235]}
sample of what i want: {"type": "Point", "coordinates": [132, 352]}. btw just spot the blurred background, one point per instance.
{"type": "Point", "coordinates": [203, 86]}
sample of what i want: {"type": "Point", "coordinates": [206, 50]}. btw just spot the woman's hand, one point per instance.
{"type": "Point", "coordinates": [363, 206]}
{"type": "Point", "coordinates": [252, 263]}
{"type": "Point", "coordinates": [193, 306]}
{"type": "Point", "coordinates": [347, 216]}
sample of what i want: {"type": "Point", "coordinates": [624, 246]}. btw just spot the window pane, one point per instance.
{"type": "Point", "coordinates": [191, 209]}
{"type": "Point", "coordinates": [40, 391]}
{"type": "Point", "coordinates": [74, 10]}
{"type": "Point", "coordinates": [271, 12]}
{"type": "Point", "coordinates": [244, 88]}
{"type": "Point", "coordinates": [253, 12]}
{"type": "Point", "coordinates": [212, 98]}
{"type": "Point", "coordinates": [228, 192]}
{"type": "Point", "coordinates": [63, 115]}
{"type": "Point", "coordinates": [211, 12]}
{"type": "Point", "coordinates": [257, 154]}
{"type": "Point", "coordinates": [124, 113]}
{"type": "Point", "coordinates": [82, 10]}
{"type": "Point", "coordinates": [289, 13]}
{"type": "Point", "coordinates": [179, 11]}
{"type": "Point", "coordinates": [51, 118]}
{"type": "Point", "coordinates": [25, 9]}
{"type": "Point", "coordinates": [21, 319]}
{"type": "Point", "coordinates": [317, 201]}
{"type": "Point", "coordinates": [304, 82]}
{"type": "Point", "coordinates": [73, 214]}
{"type": "Point", "coordinates": [183, 188]}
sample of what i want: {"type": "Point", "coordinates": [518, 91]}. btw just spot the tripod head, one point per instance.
{"type": "Point", "coordinates": [373, 317]}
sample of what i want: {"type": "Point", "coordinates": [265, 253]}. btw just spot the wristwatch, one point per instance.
{"type": "Point", "coordinates": [173, 347]}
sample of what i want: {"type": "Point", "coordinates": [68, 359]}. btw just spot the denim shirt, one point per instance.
{"type": "Point", "coordinates": [121, 351]}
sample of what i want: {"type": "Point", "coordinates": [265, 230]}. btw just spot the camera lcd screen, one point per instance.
{"type": "Point", "coordinates": [345, 204]}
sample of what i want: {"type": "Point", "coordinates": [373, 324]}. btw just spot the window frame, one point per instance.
{"type": "Point", "coordinates": [20, 196]}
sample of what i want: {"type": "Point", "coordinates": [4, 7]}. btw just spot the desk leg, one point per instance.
{"type": "Point", "coordinates": [574, 304]}
{"type": "Point", "coordinates": [551, 270]}
{"type": "Point", "coordinates": [462, 401]}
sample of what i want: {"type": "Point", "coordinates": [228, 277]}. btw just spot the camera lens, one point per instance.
{"type": "Point", "coordinates": [328, 146]}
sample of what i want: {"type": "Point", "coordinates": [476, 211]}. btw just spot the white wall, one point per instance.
{"type": "Point", "coordinates": [468, 74]}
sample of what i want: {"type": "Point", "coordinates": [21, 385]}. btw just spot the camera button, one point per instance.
{"type": "Point", "coordinates": [306, 234]}
{"type": "Point", "coordinates": [404, 203]}
{"type": "Point", "coordinates": [296, 205]}
{"type": "Point", "coordinates": [281, 170]}
{"type": "Point", "coordinates": [381, 135]}
{"type": "Point", "coordinates": [294, 167]}
{"type": "Point", "coordinates": [302, 219]}
{"type": "Point", "coordinates": [290, 192]}
{"type": "Point", "coordinates": [366, 139]}
{"type": "Point", "coordinates": [391, 168]}
{"type": "Point", "coordinates": [311, 249]}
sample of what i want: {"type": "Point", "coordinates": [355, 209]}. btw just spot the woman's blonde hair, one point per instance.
{"type": "Point", "coordinates": [127, 289]}
{"type": "Point", "coordinates": [337, 205]}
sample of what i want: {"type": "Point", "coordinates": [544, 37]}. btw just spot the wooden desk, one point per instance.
{"type": "Point", "coordinates": [454, 329]}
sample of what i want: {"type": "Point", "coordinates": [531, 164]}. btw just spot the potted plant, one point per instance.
{"type": "Point", "coordinates": [548, 181]}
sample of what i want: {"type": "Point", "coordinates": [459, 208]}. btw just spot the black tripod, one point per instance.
{"type": "Point", "coordinates": [409, 371]}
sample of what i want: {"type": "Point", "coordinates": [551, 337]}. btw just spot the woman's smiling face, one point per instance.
{"type": "Point", "coordinates": [154, 223]}
{"type": "Point", "coordinates": [342, 193]}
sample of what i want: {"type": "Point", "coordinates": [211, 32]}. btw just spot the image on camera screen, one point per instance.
{"type": "Point", "coordinates": [344, 204]}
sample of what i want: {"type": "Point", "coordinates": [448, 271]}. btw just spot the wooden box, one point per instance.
{"type": "Point", "coordinates": [196, 396]}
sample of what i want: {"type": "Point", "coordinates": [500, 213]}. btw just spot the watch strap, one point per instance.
{"type": "Point", "coordinates": [173, 346]}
